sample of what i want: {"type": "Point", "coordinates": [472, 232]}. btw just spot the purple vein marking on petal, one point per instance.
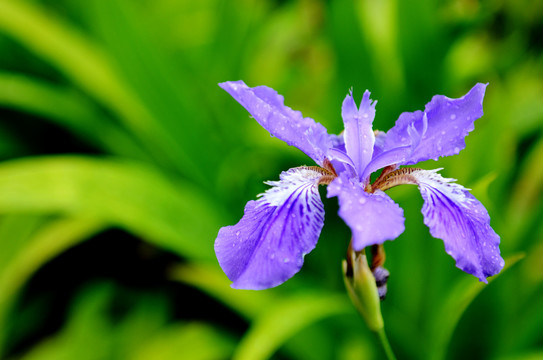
{"type": "Point", "coordinates": [268, 109]}
{"type": "Point", "coordinates": [462, 222]}
{"type": "Point", "coordinates": [266, 247]}
{"type": "Point", "coordinates": [359, 136]}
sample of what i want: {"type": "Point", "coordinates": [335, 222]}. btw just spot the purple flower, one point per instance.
{"type": "Point", "coordinates": [267, 246]}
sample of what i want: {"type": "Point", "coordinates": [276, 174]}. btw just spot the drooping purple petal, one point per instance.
{"type": "Point", "coordinates": [359, 136]}
{"type": "Point", "coordinates": [267, 107]}
{"type": "Point", "coordinates": [267, 246]}
{"type": "Point", "coordinates": [462, 222]}
{"type": "Point", "coordinates": [373, 218]}
{"type": "Point", "coordinates": [442, 132]}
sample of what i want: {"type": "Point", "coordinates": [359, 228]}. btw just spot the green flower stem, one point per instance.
{"type": "Point", "coordinates": [385, 344]}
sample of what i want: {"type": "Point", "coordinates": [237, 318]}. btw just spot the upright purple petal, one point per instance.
{"type": "Point", "coordinates": [267, 107]}
{"type": "Point", "coordinates": [373, 218]}
{"type": "Point", "coordinates": [462, 222]}
{"type": "Point", "coordinates": [442, 132]}
{"type": "Point", "coordinates": [359, 136]}
{"type": "Point", "coordinates": [393, 156]}
{"type": "Point", "coordinates": [267, 246]}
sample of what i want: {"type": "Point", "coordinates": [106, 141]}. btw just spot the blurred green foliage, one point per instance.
{"type": "Point", "coordinates": [111, 118]}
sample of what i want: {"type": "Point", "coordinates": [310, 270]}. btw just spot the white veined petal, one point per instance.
{"type": "Point", "coordinates": [462, 222]}
{"type": "Point", "coordinates": [267, 246]}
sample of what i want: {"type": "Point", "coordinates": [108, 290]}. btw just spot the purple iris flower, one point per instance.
{"type": "Point", "coordinates": [267, 246]}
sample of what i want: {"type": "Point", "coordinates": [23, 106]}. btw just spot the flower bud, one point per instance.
{"type": "Point", "coordinates": [362, 288]}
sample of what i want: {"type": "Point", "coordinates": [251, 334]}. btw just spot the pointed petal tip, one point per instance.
{"type": "Point", "coordinates": [349, 102]}
{"type": "Point", "coordinates": [230, 84]}
{"type": "Point", "coordinates": [366, 96]}
{"type": "Point", "coordinates": [478, 89]}
{"type": "Point", "coordinates": [268, 108]}
{"type": "Point", "coordinates": [367, 105]}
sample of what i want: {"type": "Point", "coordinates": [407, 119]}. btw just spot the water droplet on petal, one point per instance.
{"type": "Point", "coordinates": [362, 200]}
{"type": "Point", "coordinates": [453, 116]}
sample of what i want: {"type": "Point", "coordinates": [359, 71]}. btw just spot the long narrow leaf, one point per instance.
{"type": "Point", "coordinates": [174, 215]}
{"type": "Point", "coordinates": [68, 109]}
{"type": "Point", "coordinates": [47, 242]}
{"type": "Point", "coordinates": [212, 281]}
{"type": "Point", "coordinates": [172, 91]}
{"type": "Point", "coordinates": [88, 66]}
{"type": "Point", "coordinates": [195, 341]}
{"type": "Point", "coordinates": [457, 301]}
{"type": "Point", "coordinates": [281, 321]}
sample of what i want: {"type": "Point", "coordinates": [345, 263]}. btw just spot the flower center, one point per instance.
{"type": "Point", "coordinates": [327, 170]}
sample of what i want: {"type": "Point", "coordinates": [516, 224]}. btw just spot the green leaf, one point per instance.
{"type": "Point", "coordinates": [84, 62]}
{"type": "Point", "coordinates": [284, 319]}
{"type": "Point", "coordinates": [30, 251]}
{"type": "Point", "coordinates": [171, 91]}
{"type": "Point", "coordinates": [68, 109]}
{"type": "Point", "coordinates": [212, 281]}
{"type": "Point", "coordinates": [15, 232]}
{"type": "Point", "coordinates": [524, 207]}
{"type": "Point", "coordinates": [194, 341]}
{"type": "Point", "coordinates": [535, 354]}
{"type": "Point", "coordinates": [141, 333]}
{"type": "Point", "coordinates": [87, 335]}
{"type": "Point", "coordinates": [175, 215]}
{"type": "Point", "coordinates": [378, 23]}
{"type": "Point", "coordinates": [455, 304]}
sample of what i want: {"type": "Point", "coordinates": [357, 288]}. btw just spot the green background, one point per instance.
{"type": "Point", "coordinates": [121, 158]}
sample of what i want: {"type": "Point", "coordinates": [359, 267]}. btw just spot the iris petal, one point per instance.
{"type": "Point", "coordinates": [267, 246]}
{"type": "Point", "coordinates": [359, 136]}
{"type": "Point", "coordinates": [267, 107]}
{"type": "Point", "coordinates": [373, 218]}
{"type": "Point", "coordinates": [462, 222]}
{"type": "Point", "coordinates": [442, 132]}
